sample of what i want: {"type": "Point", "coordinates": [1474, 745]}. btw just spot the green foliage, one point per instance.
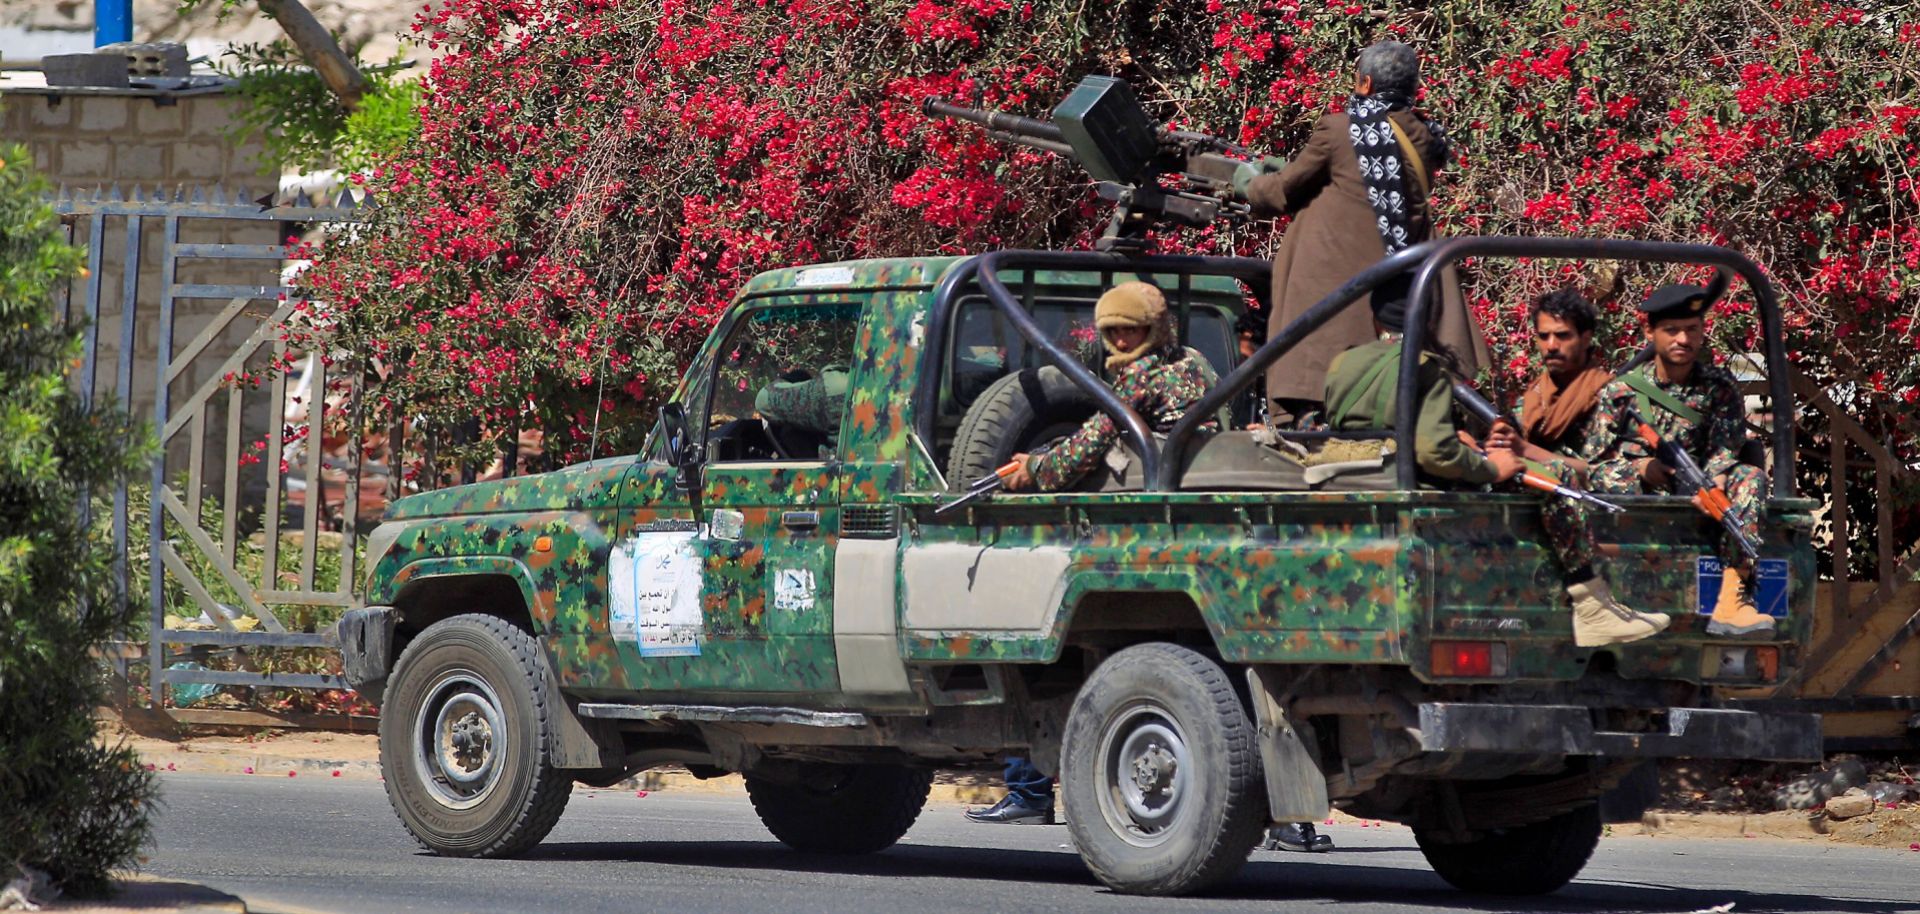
{"type": "Point", "coordinates": [68, 806]}
{"type": "Point", "coordinates": [303, 124]}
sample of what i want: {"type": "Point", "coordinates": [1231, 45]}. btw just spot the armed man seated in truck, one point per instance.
{"type": "Point", "coordinates": [1361, 393]}
{"type": "Point", "coordinates": [1556, 412]}
{"type": "Point", "coordinates": [1157, 376]}
{"type": "Point", "coordinates": [1697, 406]}
{"type": "Point", "coordinates": [802, 409]}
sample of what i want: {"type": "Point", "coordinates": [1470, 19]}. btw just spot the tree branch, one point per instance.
{"type": "Point", "coordinates": [321, 51]}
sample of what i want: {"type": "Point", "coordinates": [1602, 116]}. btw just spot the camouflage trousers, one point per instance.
{"type": "Point", "coordinates": [1569, 532]}
{"type": "Point", "coordinates": [1746, 490]}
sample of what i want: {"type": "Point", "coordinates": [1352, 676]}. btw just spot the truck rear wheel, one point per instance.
{"type": "Point", "coordinates": [463, 740]}
{"type": "Point", "coordinates": [1016, 414]}
{"type": "Point", "coordinates": [841, 809]}
{"type": "Point", "coordinates": [1529, 860]}
{"type": "Point", "coordinates": [1161, 773]}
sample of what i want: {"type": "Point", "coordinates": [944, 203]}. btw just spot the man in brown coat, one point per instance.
{"type": "Point", "coordinates": [1345, 219]}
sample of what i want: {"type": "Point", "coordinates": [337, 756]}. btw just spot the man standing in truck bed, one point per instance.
{"type": "Point", "coordinates": [1361, 393]}
{"type": "Point", "coordinates": [1698, 407]}
{"type": "Point", "coordinates": [1358, 191]}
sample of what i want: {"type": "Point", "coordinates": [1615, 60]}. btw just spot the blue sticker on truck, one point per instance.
{"type": "Point", "coordinates": [1770, 584]}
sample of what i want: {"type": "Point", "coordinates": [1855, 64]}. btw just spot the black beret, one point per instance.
{"type": "Point", "coordinates": [1676, 300]}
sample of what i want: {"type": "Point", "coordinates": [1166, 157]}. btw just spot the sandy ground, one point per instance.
{"type": "Point", "coordinates": [295, 753]}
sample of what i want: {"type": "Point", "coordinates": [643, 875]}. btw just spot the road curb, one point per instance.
{"type": "Point", "coordinates": [138, 892]}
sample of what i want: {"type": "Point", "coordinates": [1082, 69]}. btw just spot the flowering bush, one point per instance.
{"type": "Point", "coordinates": [595, 178]}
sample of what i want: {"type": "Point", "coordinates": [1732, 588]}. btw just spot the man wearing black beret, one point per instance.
{"type": "Point", "coordinates": [1697, 406]}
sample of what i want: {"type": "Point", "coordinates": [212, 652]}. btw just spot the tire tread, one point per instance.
{"type": "Point", "coordinates": [540, 810]}
{"type": "Point", "coordinates": [1244, 818]}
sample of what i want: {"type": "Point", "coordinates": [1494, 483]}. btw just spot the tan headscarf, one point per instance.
{"type": "Point", "coordinates": [1552, 409]}
{"type": "Point", "coordinates": [1133, 304]}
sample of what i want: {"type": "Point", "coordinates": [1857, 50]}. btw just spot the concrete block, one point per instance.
{"type": "Point", "coordinates": [84, 160]}
{"type": "Point", "coordinates": [203, 162]}
{"type": "Point", "coordinates": [45, 111]}
{"type": "Point", "coordinates": [1852, 804]}
{"type": "Point", "coordinates": [102, 113]}
{"type": "Point", "coordinates": [159, 121]}
{"type": "Point", "coordinates": [43, 158]}
{"type": "Point", "coordinates": [138, 162]}
{"type": "Point", "coordinates": [209, 115]}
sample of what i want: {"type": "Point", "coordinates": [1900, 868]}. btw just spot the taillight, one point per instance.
{"type": "Point", "coordinates": [1760, 663]}
{"type": "Point", "coordinates": [1470, 659]}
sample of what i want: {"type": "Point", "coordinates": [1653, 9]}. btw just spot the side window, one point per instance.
{"type": "Point", "coordinates": [779, 383]}
{"type": "Point", "coordinates": [987, 348]}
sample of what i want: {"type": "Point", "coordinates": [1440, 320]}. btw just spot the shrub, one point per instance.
{"type": "Point", "coordinates": [68, 806]}
{"type": "Point", "coordinates": [594, 178]}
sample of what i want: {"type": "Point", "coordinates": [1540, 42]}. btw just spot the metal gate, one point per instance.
{"type": "Point", "coordinates": [195, 313]}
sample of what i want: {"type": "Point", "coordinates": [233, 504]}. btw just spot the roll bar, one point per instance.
{"type": "Point", "coordinates": [1161, 466]}
{"type": "Point", "coordinates": [1452, 250]}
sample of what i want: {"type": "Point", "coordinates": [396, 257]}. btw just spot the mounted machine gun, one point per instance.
{"type": "Point", "coordinates": [1154, 175]}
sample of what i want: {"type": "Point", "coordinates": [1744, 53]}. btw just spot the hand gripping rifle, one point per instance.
{"type": "Point", "coordinates": [1481, 409]}
{"type": "Point", "coordinates": [1707, 495]}
{"type": "Point", "coordinates": [986, 485]}
{"type": "Point", "coordinates": [1156, 175]}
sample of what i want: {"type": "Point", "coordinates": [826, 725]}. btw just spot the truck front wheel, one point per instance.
{"type": "Point", "coordinates": [1529, 860]}
{"type": "Point", "coordinates": [1161, 773]}
{"type": "Point", "coordinates": [841, 809]}
{"type": "Point", "coordinates": [463, 740]}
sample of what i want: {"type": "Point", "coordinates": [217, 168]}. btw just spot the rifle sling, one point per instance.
{"type": "Point", "coordinates": [1646, 389]}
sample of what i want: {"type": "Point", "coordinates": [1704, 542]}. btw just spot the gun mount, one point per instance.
{"type": "Point", "coordinates": [1154, 175]}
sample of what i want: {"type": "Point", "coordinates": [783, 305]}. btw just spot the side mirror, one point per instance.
{"type": "Point", "coordinates": [682, 450]}
{"type": "Point", "coordinates": [673, 427]}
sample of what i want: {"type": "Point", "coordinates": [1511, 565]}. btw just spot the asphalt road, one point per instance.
{"type": "Point", "coordinates": [318, 844]}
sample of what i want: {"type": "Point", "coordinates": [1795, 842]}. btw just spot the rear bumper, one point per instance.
{"type": "Point", "coordinates": [1570, 730]}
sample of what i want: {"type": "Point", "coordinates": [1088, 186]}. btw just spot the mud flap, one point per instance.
{"type": "Point", "coordinates": [577, 742]}
{"type": "Point", "coordinates": [1296, 788]}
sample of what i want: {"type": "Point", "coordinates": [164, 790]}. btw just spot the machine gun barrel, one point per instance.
{"type": "Point", "coordinates": [1012, 128]}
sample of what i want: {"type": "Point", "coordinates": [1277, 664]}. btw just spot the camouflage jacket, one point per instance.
{"type": "Point", "coordinates": [805, 400]}
{"type": "Point", "coordinates": [1714, 443]}
{"type": "Point", "coordinates": [1159, 386]}
{"type": "Point", "coordinates": [1361, 395]}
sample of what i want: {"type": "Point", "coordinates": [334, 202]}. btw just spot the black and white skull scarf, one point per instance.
{"type": "Point", "coordinates": [1381, 166]}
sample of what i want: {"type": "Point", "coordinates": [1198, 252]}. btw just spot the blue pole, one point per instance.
{"type": "Point", "coordinates": [112, 21]}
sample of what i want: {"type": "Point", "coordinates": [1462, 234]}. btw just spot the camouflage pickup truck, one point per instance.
{"type": "Point", "coordinates": [1215, 640]}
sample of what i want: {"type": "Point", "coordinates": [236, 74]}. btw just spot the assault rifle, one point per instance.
{"type": "Point", "coordinates": [1478, 406]}
{"type": "Point", "coordinates": [1154, 174]}
{"type": "Point", "coordinates": [1707, 495]}
{"type": "Point", "coordinates": [986, 485]}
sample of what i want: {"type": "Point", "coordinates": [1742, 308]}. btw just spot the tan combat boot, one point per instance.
{"type": "Point", "coordinates": [1600, 619]}
{"type": "Point", "coordinates": [1734, 613]}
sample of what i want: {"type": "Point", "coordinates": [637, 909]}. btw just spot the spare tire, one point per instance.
{"type": "Point", "coordinates": [1016, 414]}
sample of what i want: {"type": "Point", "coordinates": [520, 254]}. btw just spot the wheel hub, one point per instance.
{"type": "Point", "coordinates": [1147, 764]}
{"type": "Point", "coordinates": [459, 738]}
{"type": "Point", "coordinates": [1153, 770]}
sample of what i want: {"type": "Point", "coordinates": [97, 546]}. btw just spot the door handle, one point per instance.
{"type": "Point", "coordinates": [800, 520]}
